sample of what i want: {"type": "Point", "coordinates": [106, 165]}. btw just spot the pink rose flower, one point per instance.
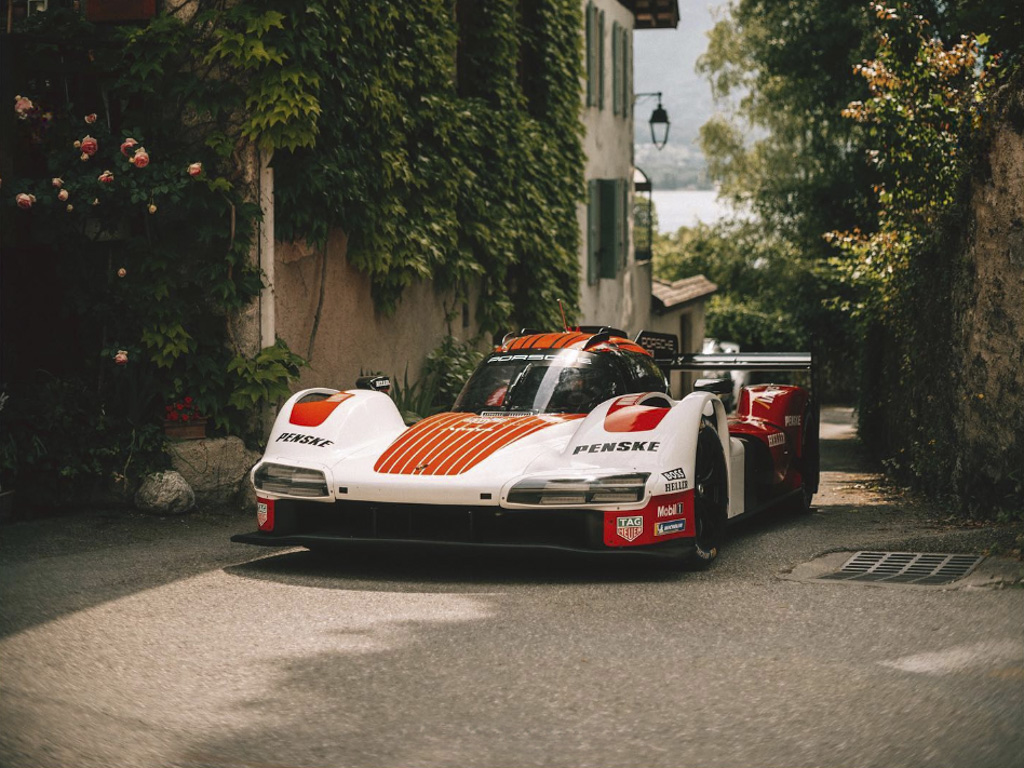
{"type": "Point", "coordinates": [90, 146]}
{"type": "Point", "coordinates": [95, 201]}
{"type": "Point", "coordinates": [126, 145]}
{"type": "Point", "coordinates": [24, 107]}
{"type": "Point", "coordinates": [90, 118]}
{"type": "Point", "coordinates": [121, 357]}
{"type": "Point", "coordinates": [141, 158]}
{"type": "Point", "coordinates": [122, 272]}
{"type": "Point", "coordinates": [57, 182]}
{"type": "Point", "coordinates": [25, 201]}
{"type": "Point", "coordinates": [62, 195]}
{"type": "Point", "coordinates": [195, 169]}
{"type": "Point", "coordinates": [106, 177]}
{"type": "Point", "coordinates": [152, 208]}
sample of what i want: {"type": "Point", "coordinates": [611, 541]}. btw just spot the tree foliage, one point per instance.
{"type": "Point", "coordinates": [866, 121]}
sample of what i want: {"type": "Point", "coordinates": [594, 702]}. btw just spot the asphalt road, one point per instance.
{"type": "Point", "coordinates": [142, 642]}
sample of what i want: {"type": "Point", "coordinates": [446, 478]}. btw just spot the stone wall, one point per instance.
{"type": "Point", "coordinates": [989, 304]}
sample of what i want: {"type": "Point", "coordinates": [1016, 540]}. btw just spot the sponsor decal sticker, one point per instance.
{"type": "Point", "coordinates": [776, 439]}
{"type": "Point", "coordinates": [671, 526]}
{"type": "Point", "coordinates": [298, 437]}
{"type": "Point", "coordinates": [670, 510]}
{"type": "Point", "coordinates": [629, 528]}
{"type": "Point", "coordinates": [262, 510]}
{"type": "Point", "coordinates": [793, 421]}
{"type": "Point", "coordinates": [624, 445]}
{"type": "Point", "coordinates": [565, 357]}
{"type": "Point", "coordinates": [675, 480]}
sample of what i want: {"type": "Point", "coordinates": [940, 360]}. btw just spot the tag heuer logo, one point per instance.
{"type": "Point", "coordinates": [629, 527]}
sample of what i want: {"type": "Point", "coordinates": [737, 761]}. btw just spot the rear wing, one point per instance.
{"type": "Point", "coordinates": [665, 349]}
{"type": "Point", "coordinates": [745, 361]}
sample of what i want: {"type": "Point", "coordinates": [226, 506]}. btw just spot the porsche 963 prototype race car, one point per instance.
{"type": "Point", "coordinates": [558, 440]}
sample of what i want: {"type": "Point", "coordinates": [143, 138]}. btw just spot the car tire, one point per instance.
{"type": "Point", "coordinates": [809, 440]}
{"type": "Point", "coordinates": [710, 499]}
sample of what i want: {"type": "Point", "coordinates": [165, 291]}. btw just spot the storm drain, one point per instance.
{"type": "Point", "coordinates": [905, 567]}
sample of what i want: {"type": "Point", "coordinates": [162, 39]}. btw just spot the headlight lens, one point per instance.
{"type": "Point", "coordinates": [610, 489]}
{"type": "Point", "coordinates": [290, 481]}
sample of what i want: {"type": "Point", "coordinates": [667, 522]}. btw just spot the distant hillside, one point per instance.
{"type": "Point", "coordinates": [664, 60]}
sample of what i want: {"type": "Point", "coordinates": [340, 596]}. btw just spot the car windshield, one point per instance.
{"type": "Point", "coordinates": [547, 381]}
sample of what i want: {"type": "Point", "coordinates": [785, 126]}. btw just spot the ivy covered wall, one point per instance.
{"type": "Point", "coordinates": [447, 147]}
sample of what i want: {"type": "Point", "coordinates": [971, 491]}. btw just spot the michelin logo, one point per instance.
{"type": "Point", "coordinates": [670, 526]}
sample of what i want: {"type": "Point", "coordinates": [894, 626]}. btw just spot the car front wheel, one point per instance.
{"type": "Point", "coordinates": [710, 499]}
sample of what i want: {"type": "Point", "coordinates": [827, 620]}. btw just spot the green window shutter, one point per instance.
{"type": "Point", "coordinates": [616, 69]}
{"type": "Point", "coordinates": [609, 255]}
{"type": "Point", "coordinates": [589, 54]}
{"type": "Point", "coordinates": [622, 221]}
{"type": "Point", "coordinates": [600, 59]}
{"type": "Point", "coordinates": [626, 50]}
{"type": "Point", "coordinates": [593, 231]}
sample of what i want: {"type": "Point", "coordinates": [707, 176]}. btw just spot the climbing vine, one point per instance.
{"type": "Point", "coordinates": [444, 139]}
{"type": "Point", "coordinates": [931, 103]}
{"type": "Point", "coordinates": [448, 148]}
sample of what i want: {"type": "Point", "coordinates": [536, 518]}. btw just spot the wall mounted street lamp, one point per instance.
{"type": "Point", "coordinates": [659, 120]}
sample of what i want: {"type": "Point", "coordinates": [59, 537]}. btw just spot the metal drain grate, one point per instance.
{"type": "Point", "coordinates": [905, 567]}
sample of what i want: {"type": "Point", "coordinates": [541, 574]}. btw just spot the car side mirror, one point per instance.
{"type": "Point", "coordinates": [374, 383]}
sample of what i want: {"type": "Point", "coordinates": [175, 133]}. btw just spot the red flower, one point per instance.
{"type": "Point", "coordinates": [106, 177]}
{"type": "Point", "coordinates": [90, 118]}
{"type": "Point", "coordinates": [195, 169]}
{"type": "Point", "coordinates": [24, 200]}
{"type": "Point", "coordinates": [179, 406]}
{"type": "Point", "coordinates": [90, 146]}
{"type": "Point", "coordinates": [172, 416]}
{"type": "Point", "coordinates": [126, 145]}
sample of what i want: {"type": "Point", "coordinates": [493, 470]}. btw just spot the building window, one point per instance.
{"type": "Point", "coordinates": [607, 228]}
{"type": "Point", "coordinates": [595, 56]}
{"type": "Point", "coordinates": [621, 86]}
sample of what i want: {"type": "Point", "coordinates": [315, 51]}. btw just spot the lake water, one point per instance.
{"type": "Point", "coordinates": [685, 207]}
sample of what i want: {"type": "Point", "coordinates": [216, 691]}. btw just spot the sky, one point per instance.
{"type": "Point", "coordinates": [664, 60]}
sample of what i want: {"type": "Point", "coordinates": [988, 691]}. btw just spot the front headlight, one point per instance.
{"type": "Point", "coordinates": [290, 481]}
{"type": "Point", "coordinates": [610, 489]}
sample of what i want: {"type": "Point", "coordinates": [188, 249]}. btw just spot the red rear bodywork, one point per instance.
{"type": "Point", "coordinates": [770, 418]}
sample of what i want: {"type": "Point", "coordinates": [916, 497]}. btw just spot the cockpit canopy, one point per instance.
{"type": "Point", "coordinates": [551, 381]}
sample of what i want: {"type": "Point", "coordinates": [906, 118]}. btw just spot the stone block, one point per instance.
{"type": "Point", "coordinates": [165, 493]}
{"type": "Point", "coordinates": [217, 468]}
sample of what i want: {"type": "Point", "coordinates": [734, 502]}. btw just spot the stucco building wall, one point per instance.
{"type": "Point", "coordinates": [351, 336]}
{"type": "Point", "coordinates": [623, 301]}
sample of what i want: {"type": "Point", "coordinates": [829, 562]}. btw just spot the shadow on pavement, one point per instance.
{"type": "Point", "coordinates": [398, 569]}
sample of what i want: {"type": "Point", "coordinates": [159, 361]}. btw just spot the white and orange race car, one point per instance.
{"type": "Point", "coordinates": [558, 440]}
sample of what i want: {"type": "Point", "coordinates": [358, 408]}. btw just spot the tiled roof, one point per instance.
{"type": "Point", "coordinates": [669, 296]}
